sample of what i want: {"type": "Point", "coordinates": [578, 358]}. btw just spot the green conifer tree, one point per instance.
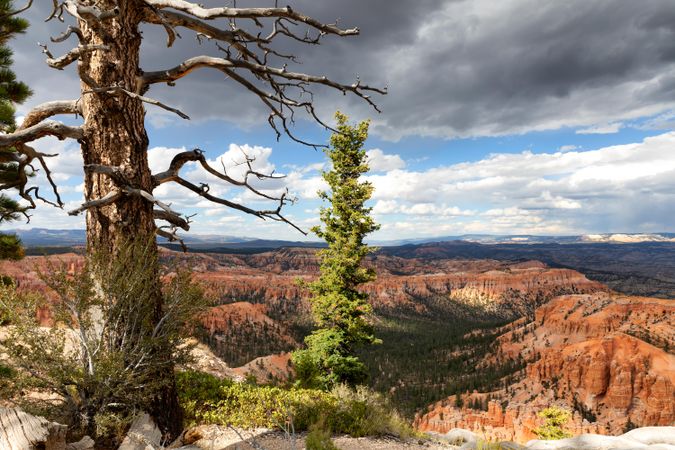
{"type": "Point", "coordinates": [11, 93]}
{"type": "Point", "coordinates": [341, 312]}
{"type": "Point", "coordinates": [555, 419]}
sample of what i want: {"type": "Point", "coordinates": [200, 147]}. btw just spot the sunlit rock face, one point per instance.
{"type": "Point", "coordinates": [603, 356]}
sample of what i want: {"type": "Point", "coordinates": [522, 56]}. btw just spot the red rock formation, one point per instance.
{"type": "Point", "coordinates": [504, 288]}
{"type": "Point", "coordinates": [239, 332]}
{"type": "Point", "coordinates": [271, 278]}
{"type": "Point", "coordinates": [588, 354]}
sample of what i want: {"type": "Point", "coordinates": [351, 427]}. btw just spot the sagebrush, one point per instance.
{"type": "Point", "coordinates": [102, 354]}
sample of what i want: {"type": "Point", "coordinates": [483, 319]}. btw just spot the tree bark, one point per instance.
{"type": "Point", "coordinates": [115, 136]}
{"type": "Point", "coordinates": [21, 431]}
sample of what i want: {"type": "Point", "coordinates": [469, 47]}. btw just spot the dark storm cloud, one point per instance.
{"type": "Point", "coordinates": [455, 68]}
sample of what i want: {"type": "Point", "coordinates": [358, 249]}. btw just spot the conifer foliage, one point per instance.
{"type": "Point", "coordinates": [11, 92]}
{"type": "Point", "coordinates": [341, 312]}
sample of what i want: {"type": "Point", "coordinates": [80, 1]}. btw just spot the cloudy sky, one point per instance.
{"type": "Point", "coordinates": [509, 117]}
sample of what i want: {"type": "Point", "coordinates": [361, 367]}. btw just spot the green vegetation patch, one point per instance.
{"type": "Point", "coordinates": [357, 412]}
{"type": "Point", "coordinates": [423, 360]}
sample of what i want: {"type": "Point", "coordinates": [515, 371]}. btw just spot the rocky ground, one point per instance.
{"type": "Point", "coordinates": [20, 431]}
{"type": "Point", "coordinates": [221, 438]}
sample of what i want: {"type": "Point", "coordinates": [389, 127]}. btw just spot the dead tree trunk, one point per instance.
{"type": "Point", "coordinates": [114, 130]}
{"type": "Point", "coordinates": [21, 431]}
{"type": "Point", "coordinates": [115, 138]}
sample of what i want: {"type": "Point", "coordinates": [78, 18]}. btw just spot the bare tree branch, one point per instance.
{"type": "Point", "coordinates": [155, 16]}
{"type": "Point", "coordinates": [88, 13]}
{"type": "Point", "coordinates": [170, 20]}
{"type": "Point", "coordinates": [149, 197]}
{"type": "Point", "coordinates": [73, 55]}
{"type": "Point", "coordinates": [197, 155]}
{"type": "Point", "coordinates": [175, 73]}
{"type": "Point", "coordinates": [107, 199]}
{"type": "Point", "coordinates": [171, 236]}
{"type": "Point", "coordinates": [281, 102]}
{"type": "Point", "coordinates": [42, 129]}
{"type": "Point", "coordinates": [250, 13]}
{"type": "Point", "coordinates": [49, 109]}
{"type": "Point", "coordinates": [24, 155]}
{"type": "Point", "coordinates": [13, 146]}
{"type": "Point", "coordinates": [152, 101]}
{"type": "Point", "coordinates": [66, 34]}
{"type": "Point", "coordinates": [173, 219]}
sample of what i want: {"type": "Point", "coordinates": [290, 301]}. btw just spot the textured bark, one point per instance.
{"type": "Point", "coordinates": [114, 129]}
{"type": "Point", "coordinates": [21, 431]}
{"type": "Point", "coordinates": [115, 136]}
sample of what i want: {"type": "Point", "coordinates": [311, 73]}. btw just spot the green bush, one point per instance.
{"type": "Point", "coordinates": [359, 412]}
{"type": "Point", "coordinates": [105, 356]}
{"type": "Point", "coordinates": [319, 437]}
{"type": "Point", "coordinates": [7, 376]}
{"type": "Point", "coordinates": [362, 412]}
{"type": "Point", "coordinates": [555, 420]}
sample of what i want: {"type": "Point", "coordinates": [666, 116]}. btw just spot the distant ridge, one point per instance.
{"type": "Point", "coordinates": [44, 237]}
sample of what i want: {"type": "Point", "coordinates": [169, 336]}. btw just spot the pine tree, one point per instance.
{"type": "Point", "coordinates": [11, 92]}
{"type": "Point", "coordinates": [555, 419]}
{"type": "Point", "coordinates": [341, 312]}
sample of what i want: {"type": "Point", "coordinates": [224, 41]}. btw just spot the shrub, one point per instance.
{"type": "Point", "coordinates": [360, 412]}
{"type": "Point", "coordinates": [319, 437]}
{"type": "Point", "coordinates": [206, 399]}
{"type": "Point", "coordinates": [555, 420]}
{"type": "Point", "coordinates": [103, 354]}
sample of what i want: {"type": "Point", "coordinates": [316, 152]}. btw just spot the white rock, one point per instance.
{"type": "Point", "coordinates": [86, 443]}
{"type": "Point", "coordinates": [143, 435]}
{"type": "Point", "coordinates": [458, 436]}
{"type": "Point", "coordinates": [652, 435]}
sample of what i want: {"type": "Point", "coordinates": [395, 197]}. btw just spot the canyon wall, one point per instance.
{"type": "Point", "coordinates": [603, 356]}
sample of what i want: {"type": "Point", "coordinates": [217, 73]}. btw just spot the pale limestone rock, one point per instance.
{"type": "Point", "coordinates": [652, 435]}
{"type": "Point", "coordinates": [86, 443]}
{"type": "Point", "coordinates": [143, 435]}
{"type": "Point", "coordinates": [651, 438]}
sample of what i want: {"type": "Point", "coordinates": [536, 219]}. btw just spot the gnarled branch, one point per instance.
{"type": "Point", "coordinates": [281, 104]}
{"type": "Point", "coordinates": [42, 129]}
{"type": "Point", "coordinates": [151, 101]}
{"type": "Point", "coordinates": [107, 199]}
{"type": "Point", "coordinates": [24, 155]}
{"type": "Point", "coordinates": [89, 13]}
{"type": "Point", "coordinates": [66, 34]}
{"type": "Point", "coordinates": [197, 155]}
{"type": "Point", "coordinates": [49, 109]}
{"type": "Point", "coordinates": [73, 55]}
{"type": "Point", "coordinates": [171, 236]}
{"type": "Point", "coordinates": [173, 219]}
{"type": "Point", "coordinates": [250, 13]}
